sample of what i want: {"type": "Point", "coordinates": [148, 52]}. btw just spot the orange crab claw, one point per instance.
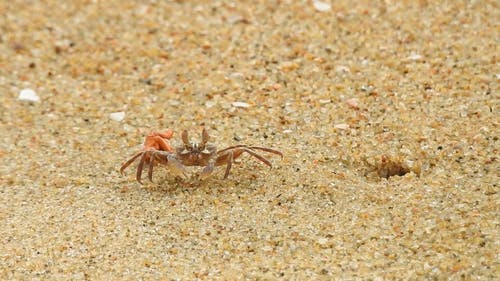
{"type": "Point", "coordinates": [166, 135]}
{"type": "Point", "coordinates": [159, 141]}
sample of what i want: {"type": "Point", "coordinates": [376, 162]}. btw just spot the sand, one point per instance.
{"type": "Point", "coordinates": [385, 113]}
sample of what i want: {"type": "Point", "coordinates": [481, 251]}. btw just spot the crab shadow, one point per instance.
{"type": "Point", "coordinates": [166, 185]}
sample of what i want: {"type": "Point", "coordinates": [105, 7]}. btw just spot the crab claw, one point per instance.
{"type": "Point", "coordinates": [171, 162]}
{"type": "Point", "coordinates": [177, 168]}
{"type": "Point", "coordinates": [207, 171]}
{"type": "Point", "coordinates": [159, 141]}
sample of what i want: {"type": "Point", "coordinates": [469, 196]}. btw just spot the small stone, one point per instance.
{"type": "Point", "coordinates": [235, 18]}
{"type": "Point", "coordinates": [28, 95]}
{"type": "Point", "coordinates": [117, 116]}
{"type": "Point", "coordinates": [353, 103]}
{"type": "Point", "coordinates": [321, 6]}
{"type": "Point", "coordinates": [128, 128]}
{"type": "Point", "coordinates": [276, 87]}
{"type": "Point", "coordinates": [174, 102]}
{"type": "Point", "coordinates": [490, 190]}
{"type": "Point", "coordinates": [267, 248]}
{"type": "Point", "coordinates": [237, 77]}
{"type": "Point", "coordinates": [353, 265]}
{"type": "Point", "coordinates": [289, 66]}
{"type": "Point", "coordinates": [342, 69]}
{"type": "Point", "coordinates": [240, 104]}
{"type": "Point", "coordinates": [342, 126]}
{"type": "Point", "coordinates": [414, 56]}
{"type": "Point", "coordinates": [209, 104]}
{"type": "Point", "coordinates": [287, 131]}
{"type": "Point", "coordinates": [367, 88]}
{"type": "Point", "coordinates": [322, 241]}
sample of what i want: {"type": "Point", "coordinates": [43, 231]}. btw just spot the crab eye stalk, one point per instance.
{"type": "Point", "coordinates": [204, 137]}
{"type": "Point", "coordinates": [185, 140]}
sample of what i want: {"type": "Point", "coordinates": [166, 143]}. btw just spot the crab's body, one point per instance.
{"type": "Point", "coordinates": [189, 153]}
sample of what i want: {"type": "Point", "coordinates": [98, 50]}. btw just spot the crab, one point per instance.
{"type": "Point", "coordinates": [155, 141]}
{"type": "Point", "coordinates": [191, 153]}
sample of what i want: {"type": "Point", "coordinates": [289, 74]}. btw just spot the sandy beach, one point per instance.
{"type": "Point", "coordinates": [384, 111]}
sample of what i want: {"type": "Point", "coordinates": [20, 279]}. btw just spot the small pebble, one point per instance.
{"type": "Point", "coordinates": [240, 104]}
{"type": "Point", "coordinates": [236, 76]}
{"type": "Point", "coordinates": [353, 103]}
{"type": "Point", "coordinates": [414, 56]}
{"type": "Point", "coordinates": [276, 87]}
{"type": "Point", "coordinates": [342, 69]}
{"type": "Point", "coordinates": [28, 95]}
{"type": "Point", "coordinates": [117, 116]}
{"type": "Point", "coordinates": [367, 88]}
{"type": "Point", "coordinates": [128, 128]}
{"type": "Point", "coordinates": [289, 66]}
{"type": "Point", "coordinates": [174, 102]}
{"type": "Point", "coordinates": [321, 6]}
{"type": "Point", "coordinates": [267, 248]}
{"type": "Point", "coordinates": [209, 104]}
{"type": "Point", "coordinates": [342, 126]}
{"type": "Point", "coordinates": [235, 18]}
{"type": "Point", "coordinates": [322, 241]}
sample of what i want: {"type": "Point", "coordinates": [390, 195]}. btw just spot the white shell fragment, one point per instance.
{"type": "Point", "coordinates": [28, 95]}
{"type": "Point", "coordinates": [240, 104]}
{"type": "Point", "coordinates": [117, 116]}
{"type": "Point", "coordinates": [321, 6]}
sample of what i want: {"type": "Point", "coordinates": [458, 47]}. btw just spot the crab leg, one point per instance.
{"type": "Point", "coordinates": [238, 151]}
{"type": "Point", "coordinates": [130, 161]}
{"type": "Point", "coordinates": [207, 171]}
{"type": "Point", "coordinates": [261, 158]}
{"type": "Point", "coordinates": [140, 167]}
{"type": "Point", "coordinates": [270, 150]}
{"type": "Point", "coordinates": [229, 164]}
{"type": "Point", "coordinates": [150, 168]}
{"type": "Point", "coordinates": [229, 155]}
